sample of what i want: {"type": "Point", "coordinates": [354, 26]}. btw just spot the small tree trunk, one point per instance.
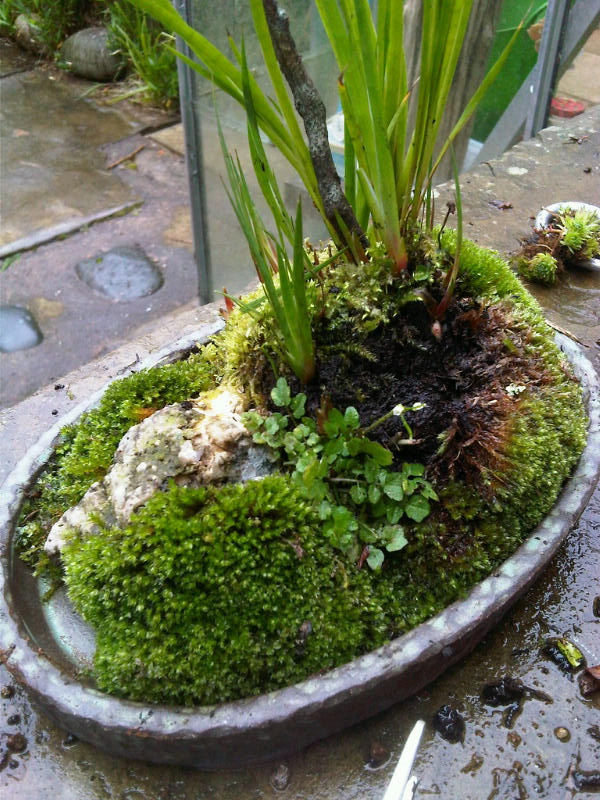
{"type": "Point", "coordinates": [470, 70]}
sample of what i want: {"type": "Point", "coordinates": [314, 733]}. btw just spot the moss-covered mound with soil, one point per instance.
{"type": "Point", "coordinates": [224, 592]}
{"type": "Point", "coordinates": [213, 594]}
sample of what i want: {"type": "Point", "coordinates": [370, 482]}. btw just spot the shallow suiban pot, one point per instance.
{"type": "Point", "coordinates": [548, 213]}
{"type": "Point", "coordinates": [44, 646]}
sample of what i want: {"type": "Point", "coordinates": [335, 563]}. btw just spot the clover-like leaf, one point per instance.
{"type": "Point", "coordinates": [393, 486]}
{"type": "Point", "coordinates": [374, 493]}
{"type": "Point", "coordinates": [417, 507]}
{"type": "Point", "coordinates": [280, 393]}
{"type": "Point", "coordinates": [298, 404]}
{"type": "Point", "coordinates": [396, 538]}
{"type": "Point", "coordinates": [351, 418]}
{"type": "Point", "coordinates": [358, 494]}
{"type": "Point", "coordinates": [375, 558]}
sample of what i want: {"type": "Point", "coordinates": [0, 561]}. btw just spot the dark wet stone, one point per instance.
{"type": "Point", "coordinates": [16, 743]}
{"type": "Point", "coordinates": [596, 604]}
{"type": "Point", "coordinates": [564, 654]}
{"type": "Point", "coordinates": [89, 55]}
{"type": "Point", "coordinates": [450, 724]}
{"type": "Point", "coordinates": [588, 683]}
{"type": "Point", "coordinates": [594, 732]}
{"type": "Point", "coordinates": [586, 780]}
{"type": "Point", "coordinates": [503, 692]}
{"type": "Point", "coordinates": [123, 273]}
{"type": "Point", "coordinates": [378, 755]}
{"type": "Point", "coordinates": [510, 692]}
{"type": "Point", "coordinates": [7, 692]}
{"type": "Point", "coordinates": [59, 386]}
{"type": "Point", "coordinates": [18, 329]}
{"type": "Point", "coordinates": [280, 777]}
{"type": "Point", "coordinates": [14, 719]}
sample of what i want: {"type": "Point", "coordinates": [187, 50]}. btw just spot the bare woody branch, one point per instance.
{"type": "Point", "coordinates": [311, 109]}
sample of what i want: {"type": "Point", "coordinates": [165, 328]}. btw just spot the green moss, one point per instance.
{"type": "Point", "coordinates": [209, 594]}
{"type": "Point", "coordinates": [580, 234]}
{"type": "Point", "coordinates": [540, 269]}
{"type": "Point", "coordinates": [86, 449]}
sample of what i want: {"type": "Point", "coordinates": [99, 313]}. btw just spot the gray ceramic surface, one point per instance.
{"type": "Point", "coordinates": [40, 653]}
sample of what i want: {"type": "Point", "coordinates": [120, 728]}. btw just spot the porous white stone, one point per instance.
{"type": "Point", "coordinates": [199, 442]}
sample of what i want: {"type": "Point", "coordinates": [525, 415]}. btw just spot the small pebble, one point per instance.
{"type": "Point", "coordinates": [596, 604]}
{"type": "Point", "coordinates": [474, 764]}
{"type": "Point", "coordinates": [562, 734]}
{"type": "Point", "coordinates": [16, 743]}
{"type": "Point", "coordinates": [7, 692]}
{"type": "Point", "coordinates": [55, 412]}
{"type": "Point", "coordinates": [14, 719]}
{"type": "Point", "coordinates": [450, 724]}
{"type": "Point", "coordinates": [378, 755]}
{"type": "Point", "coordinates": [514, 738]}
{"type": "Point", "coordinates": [280, 777]}
{"type": "Point", "coordinates": [59, 386]}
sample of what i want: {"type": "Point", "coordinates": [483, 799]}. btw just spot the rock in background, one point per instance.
{"type": "Point", "coordinates": [89, 55]}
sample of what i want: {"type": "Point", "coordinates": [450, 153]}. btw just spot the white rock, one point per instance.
{"type": "Point", "coordinates": [202, 441]}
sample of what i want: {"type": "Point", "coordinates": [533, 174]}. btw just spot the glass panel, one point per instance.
{"type": "Point", "coordinates": [231, 265]}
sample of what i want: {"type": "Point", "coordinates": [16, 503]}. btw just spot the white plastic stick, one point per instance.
{"type": "Point", "coordinates": [397, 785]}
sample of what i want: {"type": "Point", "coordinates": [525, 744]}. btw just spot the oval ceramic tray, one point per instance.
{"type": "Point", "coordinates": [45, 645]}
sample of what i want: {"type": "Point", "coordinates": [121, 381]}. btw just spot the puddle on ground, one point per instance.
{"type": "Point", "coordinates": [576, 298]}
{"type": "Point", "coordinates": [18, 329]}
{"type": "Point", "coordinates": [122, 274]}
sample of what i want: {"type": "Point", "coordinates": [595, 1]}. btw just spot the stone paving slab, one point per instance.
{"type": "Point", "coordinates": [53, 172]}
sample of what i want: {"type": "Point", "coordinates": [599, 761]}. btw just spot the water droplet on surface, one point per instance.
{"type": "Point", "coordinates": [18, 329]}
{"type": "Point", "coordinates": [562, 734]}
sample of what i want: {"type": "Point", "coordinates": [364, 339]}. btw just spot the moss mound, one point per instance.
{"type": "Point", "coordinates": [220, 593]}
{"type": "Point", "coordinates": [86, 449]}
{"type": "Point", "coordinates": [213, 594]}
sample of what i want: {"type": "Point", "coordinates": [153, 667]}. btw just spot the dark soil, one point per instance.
{"type": "Point", "coordinates": [461, 377]}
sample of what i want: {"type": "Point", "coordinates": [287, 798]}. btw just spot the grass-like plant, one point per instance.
{"type": "Point", "coordinates": [389, 169]}
{"type": "Point", "coordinates": [147, 49]}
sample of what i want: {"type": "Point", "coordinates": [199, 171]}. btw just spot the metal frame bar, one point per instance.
{"type": "Point", "coordinates": [555, 23]}
{"type": "Point", "coordinates": [190, 117]}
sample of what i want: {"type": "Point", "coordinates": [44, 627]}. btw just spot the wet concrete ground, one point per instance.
{"type": "Point", "coordinates": [494, 762]}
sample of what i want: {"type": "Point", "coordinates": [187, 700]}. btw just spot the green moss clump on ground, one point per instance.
{"type": "Point", "coordinates": [542, 269]}
{"type": "Point", "coordinates": [212, 594]}
{"type": "Point", "coordinates": [85, 452]}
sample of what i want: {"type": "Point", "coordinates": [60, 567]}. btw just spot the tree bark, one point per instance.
{"type": "Point", "coordinates": [470, 70]}
{"type": "Point", "coordinates": [311, 109]}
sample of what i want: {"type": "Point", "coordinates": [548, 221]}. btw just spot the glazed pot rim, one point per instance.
{"type": "Point", "coordinates": [286, 719]}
